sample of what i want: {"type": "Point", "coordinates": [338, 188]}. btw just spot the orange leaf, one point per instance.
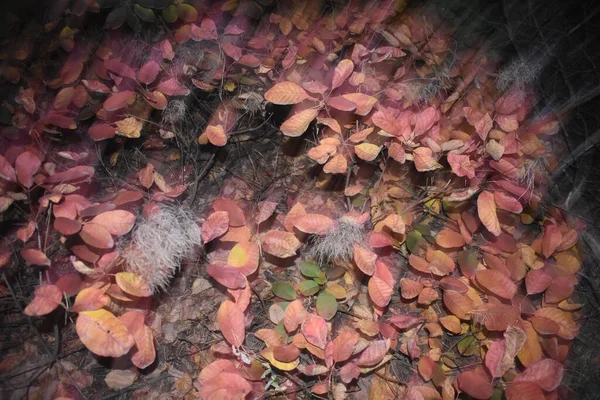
{"type": "Point", "coordinates": [341, 103]}
{"type": "Point", "coordinates": [215, 225]}
{"type": "Point", "coordinates": [365, 259]}
{"type": "Point", "coordinates": [374, 353]}
{"type": "Point", "coordinates": [316, 224]}
{"type": "Point", "coordinates": [551, 240]}
{"type": "Point", "coordinates": [143, 337]}
{"type": "Point", "coordinates": [133, 284]}
{"type": "Point", "coordinates": [103, 334]}
{"type": "Point", "coordinates": [379, 291]}
{"type": "Point", "coordinates": [344, 345]}
{"type": "Point", "coordinates": [410, 289]}
{"type": "Point", "coordinates": [425, 120]}
{"type": "Point", "coordinates": [341, 72]}
{"type": "Point", "coordinates": [497, 283]}
{"type": "Point", "coordinates": [226, 386]}
{"type": "Point", "coordinates": [236, 215]}
{"type": "Point", "coordinates": [294, 314]}
{"type": "Point", "coordinates": [116, 222]}
{"type": "Point", "coordinates": [486, 209]}
{"type": "Point", "coordinates": [90, 299]}
{"type": "Point", "coordinates": [568, 328]}
{"type": "Point", "coordinates": [461, 165]}
{"type": "Point", "coordinates": [24, 233]}
{"type": "Point", "coordinates": [245, 256]}
{"type": "Point", "coordinates": [213, 370]}
{"type": "Point", "coordinates": [337, 165]}
{"type": "Point", "coordinates": [424, 161]}
{"type": "Point", "coordinates": [395, 223]}
{"type": "Point", "coordinates": [45, 300]}
{"type": "Point", "coordinates": [96, 236]}
{"type": "Point", "coordinates": [426, 366]}
{"type": "Point", "coordinates": [63, 98]}
{"type": "Point", "coordinates": [297, 124]}
{"type": "Point", "coordinates": [35, 257]}
{"type": "Point", "coordinates": [449, 239]}
{"type": "Point", "coordinates": [280, 244]}
{"type": "Point", "coordinates": [231, 323]}
{"type": "Point", "coordinates": [387, 122]}
{"type": "Point", "coordinates": [286, 93]}
{"type": "Point", "coordinates": [364, 103]}
{"type": "Point", "coordinates": [216, 135]}
{"type": "Point", "coordinates": [458, 304]}
{"type": "Point", "coordinates": [314, 329]}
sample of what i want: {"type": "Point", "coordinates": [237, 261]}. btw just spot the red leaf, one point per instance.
{"type": "Point", "coordinates": [26, 165]}
{"type": "Point", "coordinates": [119, 100]}
{"type": "Point", "coordinates": [380, 291]}
{"type": "Point", "coordinates": [475, 385]}
{"type": "Point", "coordinates": [231, 323]}
{"type": "Point", "coordinates": [206, 31]}
{"type": "Point", "coordinates": [374, 353]}
{"type": "Point", "coordinates": [225, 386]}
{"type": "Point", "coordinates": [147, 74]}
{"type": "Point", "coordinates": [119, 68]}
{"type": "Point", "coordinates": [171, 87]}
{"type": "Point", "coordinates": [232, 50]}
{"type": "Point", "coordinates": [341, 103]}
{"type": "Point", "coordinates": [95, 86]}
{"type": "Point", "coordinates": [546, 373]}
{"type": "Point", "coordinates": [226, 275]}
{"type": "Point", "coordinates": [101, 131]}
{"type": "Point", "coordinates": [215, 225]}
{"type": "Point", "coordinates": [236, 215]}
{"type": "Point", "coordinates": [524, 391]}
{"type": "Point", "coordinates": [314, 329]}
{"type": "Point", "coordinates": [425, 120]}
{"type": "Point", "coordinates": [405, 321]}
{"type": "Point", "coordinates": [461, 165]}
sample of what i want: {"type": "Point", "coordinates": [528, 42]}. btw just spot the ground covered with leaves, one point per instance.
{"type": "Point", "coordinates": [257, 200]}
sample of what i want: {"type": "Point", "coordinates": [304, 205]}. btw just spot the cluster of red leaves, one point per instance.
{"type": "Point", "coordinates": [508, 303]}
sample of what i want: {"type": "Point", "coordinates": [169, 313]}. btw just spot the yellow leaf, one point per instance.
{"type": "Point", "coordinates": [367, 151]}
{"type": "Point", "coordinates": [133, 284]}
{"type": "Point", "coordinates": [129, 127]}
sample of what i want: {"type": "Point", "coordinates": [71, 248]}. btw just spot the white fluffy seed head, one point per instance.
{"type": "Point", "coordinates": [159, 244]}
{"type": "Point", "coordinates": [338, 243]}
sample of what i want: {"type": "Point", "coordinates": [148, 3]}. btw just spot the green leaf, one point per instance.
{"type": "Point", "coordinates": [309, 269]}
{"type": "Point", "coordinates": [308, 288]}
{"type": "Point", "coordinates": [321, 279]}
{"type": "Point", "coordinates": [468, 346]}
{"type": "Point", "coordinates": [413, 241]}
{"type": "Point", "coordinates": [284, 290]}
{"type": "Point", "coordinates": [145, 14]}
{"type": "Point", "coordinates": [280, 329]}
{"type": "Point", "coordinates": [326, 305]}
{"type": "Point", "coordinates": [423, 229]}
{"type": "Point", "coordinates": [467, 261]}
{"type": "Point", "coordinates": [169, 14]}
